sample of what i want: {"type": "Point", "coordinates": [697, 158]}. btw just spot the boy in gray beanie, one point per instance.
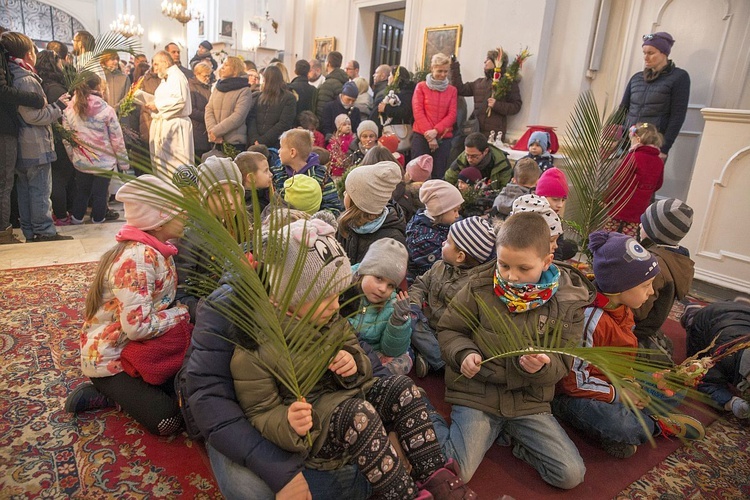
{"type": "Point", "coordinates": [470, 243]}
{"type": "Point", "coordinates": [663, 225]}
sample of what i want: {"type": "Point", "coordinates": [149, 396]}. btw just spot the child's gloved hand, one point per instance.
{"type": "Point", "coordinates": [740, 407]}
{"type": "Point", "coordinates": [401, 309]}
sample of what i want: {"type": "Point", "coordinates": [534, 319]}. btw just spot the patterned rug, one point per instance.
{"type": "Point", "coordinates": [48, 453]}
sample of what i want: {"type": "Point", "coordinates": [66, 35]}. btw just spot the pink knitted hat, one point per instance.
{"type": "Point", "coordinates": [420, 168]}
{"type": "Point", "coordinates": [552, 183]}
{"type": "Point", "coordinates": [439, 197]}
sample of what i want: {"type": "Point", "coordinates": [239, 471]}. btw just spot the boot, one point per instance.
{"type": "Point", "coordinates": [7, 237]}
{"type": "Point", "coordinates": [446, 484]}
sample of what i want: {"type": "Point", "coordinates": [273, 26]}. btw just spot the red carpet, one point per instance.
{"type": "Point", "coordinates": [502, 473]}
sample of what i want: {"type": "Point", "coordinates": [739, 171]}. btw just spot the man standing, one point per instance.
{"type": "Point", "coordinates": [301, 86]}
{"type": "Point", "coordinates": [380, 81]}
{"type": "Point", "coordinates": [171, 134]}
{"type": "Point", "coordinates": [315, 75]}
{"type": "Point", "coordinates": [335, 80]}
{"type": "Point", "coordinates": [204, 54]}
{"type": "Point", "coordinates": [174, 51]}
{"type": "Point", "coordinates": [352, 69]}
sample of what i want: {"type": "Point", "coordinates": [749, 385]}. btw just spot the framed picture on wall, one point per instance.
{"type": "Point", "coordinates": [201, 28]}
{"type": "Point", "coordinates": [445, 39]}
{"type": "Point", "coordinates": [226, 29]}
{"type": "Point", "coordinates": [322, 46]}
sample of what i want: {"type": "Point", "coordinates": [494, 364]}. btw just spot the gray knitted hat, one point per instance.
{"type": "Point", "coordinates": [386, 258]}
{"type": "Point", "coordinates": [370, 187]}
{"type": "Point", "coordinates": [216, 171]}
{"type": "Point", "coordinates": [667, 221]}
{"type": "Point", "coordinates": [326, 269]}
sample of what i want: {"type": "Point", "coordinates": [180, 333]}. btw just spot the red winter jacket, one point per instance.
{"type": "Point", "coordinates": [648, 171]}
{"type": "Point", "coordinates": [434, 110]}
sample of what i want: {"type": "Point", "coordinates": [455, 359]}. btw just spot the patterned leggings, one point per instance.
{"type": "Point", "coordinates": [359, 428]}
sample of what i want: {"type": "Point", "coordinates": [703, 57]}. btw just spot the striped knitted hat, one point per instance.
{"type": "Point", "coordinates": [474, 236]}
{"type": "Point", "coordinates": [667, 221]}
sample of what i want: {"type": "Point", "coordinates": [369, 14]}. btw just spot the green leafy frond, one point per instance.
{"type": "Point", "coordinates": [629, 375]}
{"type": "Point", "coordinates": [90, 62]}
{"type": "Point", "coordinates": [593, 148]}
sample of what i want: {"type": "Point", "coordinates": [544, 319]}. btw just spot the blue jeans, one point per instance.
{"type": "Point", "coordinates": [604, 421]}
{"type": "Point", "coordinates": [34, 187]}
{"type": "Point", "coordinates": [238, 482]}
{"type": "Point", "coordinates": [424, 340]}
{"type": "Point", "coordinates": [538, 440]}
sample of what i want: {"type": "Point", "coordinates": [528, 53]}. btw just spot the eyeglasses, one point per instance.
{"type": "Point", "coordinates": [474, 156]}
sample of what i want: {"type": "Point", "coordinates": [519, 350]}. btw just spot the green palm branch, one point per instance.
{"type": "Point", "coordinates": [592, 147]}
{"type": "Point", "coordinates": [90, 62]}
{"type": "Point", "coordinates": [619, 364]}
{"type": "Point", "coordinates": [258, 308]}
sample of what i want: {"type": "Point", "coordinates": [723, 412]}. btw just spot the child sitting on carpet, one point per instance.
{"type": "Point", "coordinates": [344, 414]}
{"type": "Point", "coordinates": [538, 204]}
{"type": "Point", "coordinates": [131, 301]}
{"type": "Point", "coordinates": [382, 312]}
{"type": "Point", "coordinates": [553, 185]}
{"type": "Point", "coordinates": [663, 225]}
{"type": "Point", "coordinates": [624, 273]}
{"type": "Point", "coordinates": [470, 242]}
{"type": "Point", "coordinates": [722, 323]}
{"type": "Point", "coordinates": [510, 397]}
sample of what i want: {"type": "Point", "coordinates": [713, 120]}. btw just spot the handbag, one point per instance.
{"type": "Point", "coordinates": [470, 126]}
{"type": "Point", "coordinates": [403, 131]}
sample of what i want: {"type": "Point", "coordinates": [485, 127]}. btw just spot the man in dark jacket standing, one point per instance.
{"type": "Point", "coordinates": [174, 51]}
{"type": "Point", "coordinates": [301, 87]}
{"type": "Point", "coordinates": [335, 80]}
{"type": "Point", "coordinates": [204, 54]}
{"type": "Point", "coordinates": [10, 99]}
{"type": "Point", "coordinates": [481, 89]}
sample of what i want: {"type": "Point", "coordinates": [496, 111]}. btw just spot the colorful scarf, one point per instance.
{"type": "Point", "coordinates": [522, 297]}
{"type": "Point", "coordinates": [132, 233]}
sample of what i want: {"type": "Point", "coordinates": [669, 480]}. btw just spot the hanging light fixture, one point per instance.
{"type": "Point", "coordinates": [182, 10]}
{"type": "Point", "coordinates": [126, 26]}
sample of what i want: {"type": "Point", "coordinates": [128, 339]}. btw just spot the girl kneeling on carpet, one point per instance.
{"type": "Point", "coordinates": [129, 303]}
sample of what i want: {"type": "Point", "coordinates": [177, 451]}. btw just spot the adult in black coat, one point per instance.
{"type": "Point", "coordinates": [302, 89]}
{"type": "Point", "coordinates": [386, 110]}
{"type": "Point", "coordinates": [10, 99]}
{"type": "Point", "coordinates": [273, 112]}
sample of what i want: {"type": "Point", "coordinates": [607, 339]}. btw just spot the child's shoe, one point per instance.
{"type": "Point", "coordinates": [619, 450]}
{"type": "Point", "coordinates": [420, 366]}
{"type": "Point", "coordinates": [679, 425]}
{"type": "Point", "coordinates": [445, 483]}
{"type": "Point", "coordinates": [86, 397]}
{"type": "Point", "coordinates": [62, 222]}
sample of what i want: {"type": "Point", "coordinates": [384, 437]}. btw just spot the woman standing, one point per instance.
{"type": "Point", "coordinates": [659, 94]}
{"type": "Point", "coordinates": [389, 111]}
{"type": "Point", "coordinates": [229, 105]}
{"type": "Point", "coordinates": [274, 111]}
{"type": "Point", "coordinates": [49, 68]}
{"type": "Point", "coordinates": [434, 106]}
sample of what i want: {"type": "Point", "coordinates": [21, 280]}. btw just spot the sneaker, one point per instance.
{"type": "Point", "coordinates": [86, 397]}
{"type": "Point", "coordinates": [41, 238]}
{"type": "Point", "coordinates": [420, 366]}
{"type": "Point", "coordinates": [75, 222]}
{"type": "Point", "coordinates": [62, 222]}
{"type": "Point", "coordinates": [111, 215]}
{"type": "Point", "coordinates": [619, 450]}
{"type": "Point", "coordinates": [679, 425]}
{"type": "Point", "coordinates": [446, 483]}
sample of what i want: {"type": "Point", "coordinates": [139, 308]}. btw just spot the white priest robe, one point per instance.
{"type": "Point", "coordinates": [171, 134]}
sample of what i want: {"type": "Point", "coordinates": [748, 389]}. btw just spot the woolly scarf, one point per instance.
{"type": "Point", "coordinates": [373, 225]}
{"type": "Point", "coordinates": [650, 75]}
{"type": "Point", "coordinates": [132, 233]}
{"type": "Point", "coordinates": [522, 297]}
{"type": "Point", "coordinates": [439, 85]}
{"type": "Point", "coordinates": [23, 64]}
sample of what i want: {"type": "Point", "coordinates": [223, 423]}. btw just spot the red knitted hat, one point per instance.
{"type": "Point", "coordinates": [552, 183]}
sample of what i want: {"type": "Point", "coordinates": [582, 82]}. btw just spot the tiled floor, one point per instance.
{"type": "Point", "coordinates": [89, 242]}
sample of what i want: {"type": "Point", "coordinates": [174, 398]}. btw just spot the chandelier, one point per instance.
{"type": "Point", "coordinates": [182, 10]}
{"type": "Point", "coordinates": [126, 26]}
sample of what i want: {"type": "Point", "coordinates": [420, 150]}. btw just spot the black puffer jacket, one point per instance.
{"type": "Point", "coordinates": [330, 89]}
{"type": "Point", "coordinates": [267, 121]}
{"type": "Point", "coordinates": [356, 244]}
{"type": "Point", "coordinates": [662, 102]}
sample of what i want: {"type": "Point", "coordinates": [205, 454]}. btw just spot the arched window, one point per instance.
{"type": "Point", "coordinates": [39, 21]}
